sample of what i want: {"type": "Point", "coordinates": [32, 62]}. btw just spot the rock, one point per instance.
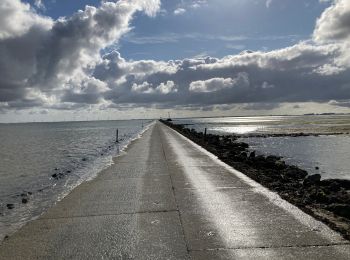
{"type": "Point", "coordinates": [341, 182]}
{"type": "Point", "coordinates": [296, 173]}
{"type": "Point", "coordinates": [342, 210]}
{"type": "Point", "coordinates": [55, 176]}
{"type": "Point", "coordinates": [320, 197]}
{"type": "Point", "coordinates": [317, 168]}
{"type": "Point", "coordinates": [68, 171]}
{"type": "Point", "coordinates": [312, 179]}
{"type": "Point", "coordinates": [280, 164]}
{"type": "Point", "coordinates": [273, 158]}
{"type": "Point", "coordinates": [10, 206]}
{"type": "Point", "coordinates": [24, 201]}
{"type": "Point", "coordinates": [224, 155]}
{"type": "Point", "coordinates": [334, 186]}
{"type": "Point", "coordinates": [252, 154]}
{"type": "Point", "coordinates": [84, 159]}
{"type": "Point", "coordinates": [243, 154]}
{"type": "Point", "coordinates": [242, 145]}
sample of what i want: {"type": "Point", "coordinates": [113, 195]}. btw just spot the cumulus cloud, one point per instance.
{"type": "Point", "coordinates": [88, 92]}
{"type": "Point", "coordinates": [38, 53]}
{"type": "Point", "coordinates": [26, 19]}
{"type": "Point", "coordinates": [166, 88]}
{"type": "Point", "coordinates": [145, 87]}
{"type": "Point", "coordinates": [57, 64]}
{"type": "Point", "coordinates": [295, 74]}
{"type": "Point", "coordinates": [163, 88]}
{"type": "Point", "coordinates": [216, 84]}
{"type": "Point", "coordinates": [334, 23]}
{"type": "Point", "coordinates": [334, 27]}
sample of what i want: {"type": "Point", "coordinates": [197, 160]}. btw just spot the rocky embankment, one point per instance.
{"type": "Point", "coordinates": [327, 200]}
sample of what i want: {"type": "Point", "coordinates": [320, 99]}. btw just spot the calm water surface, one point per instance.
{"type": "Point", "coordinates": [31, 153]}
{"type": "Point", "coordinates": [331, 153]}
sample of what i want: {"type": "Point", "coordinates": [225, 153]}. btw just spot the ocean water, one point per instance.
{"type": "Point", "coordinates": [31, 154]}
{"type": "Point", "coordinates": [271, 124]}
{"type": "Point", "coordinates": [329, 152]}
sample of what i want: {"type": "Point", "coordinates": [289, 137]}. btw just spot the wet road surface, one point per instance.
{"type": "Point", "coordinates": [167, 198]}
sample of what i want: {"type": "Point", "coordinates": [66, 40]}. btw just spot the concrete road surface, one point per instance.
{"type": "Point", "coordinates": [167, 198]}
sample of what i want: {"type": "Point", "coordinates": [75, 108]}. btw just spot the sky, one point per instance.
{"type": "Point", "coordinates": [91, 59]}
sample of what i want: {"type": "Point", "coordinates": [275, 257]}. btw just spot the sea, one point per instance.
{"type": "Point", "coordinates": [327, 154]}
{"type": "Point", "coordinates": [43, 162]}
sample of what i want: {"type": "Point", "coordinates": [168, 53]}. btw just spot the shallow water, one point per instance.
{"type": "Point", "coordinates": [31, 153]}
{"type": "Point", "coordinates": [328, 152]}
{"type": "Point", "coordinates": [270, 124]}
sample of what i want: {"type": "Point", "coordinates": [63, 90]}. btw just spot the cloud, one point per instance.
{"type": "Point", "coordinates": [293, 74]}
{"type": "Point", "coordinates": [89, 92]}
{"type": "Point", "coordinates": [334, 23]}
{"type": "Point", "coordinates": [261, 106]}
{"type": "Point", "coordinates": [177, 37]}
{"type": "Point", "coordinates": [166, 88]}
{"type": "Point", "coordinates": [268, 3]}
{"type": "Point", "coordinates": [147, 88]}
{"type": "Point", "coordinates": [340, 103]}
{"type": "Point", "coordinates": [197, 3]}
{"type": "Point", "coordinates": [216, 84]}
{"type": "Point", "coordinates": [25, 19]}
{"type": "Point", "coordinates": [179, 11]}
{"type": "Point", "coordinates": [37, 53]}
{"type": "Point", "coordinates": [57, 65]}
{"type": "Point", "coordinates": [189, 4]}
{"type": "Point", "coordinates": [39, 4]}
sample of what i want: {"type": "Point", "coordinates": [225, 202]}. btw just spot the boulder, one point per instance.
{"type": "Point", "coordinates": [342, 210]}
{"type": "Point", "coordinates": [10, 206]}
{"type": "Point", "coordinates": [312, 179]}
{"type": "Point", "coordinates": [295, 173]}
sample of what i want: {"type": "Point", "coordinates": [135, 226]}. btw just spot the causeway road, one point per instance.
{"type": "Point", "coordinates": [168, 198]}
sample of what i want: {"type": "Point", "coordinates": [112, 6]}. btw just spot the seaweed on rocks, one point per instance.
{"type": "Point", "coordinates": [327, 200]}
